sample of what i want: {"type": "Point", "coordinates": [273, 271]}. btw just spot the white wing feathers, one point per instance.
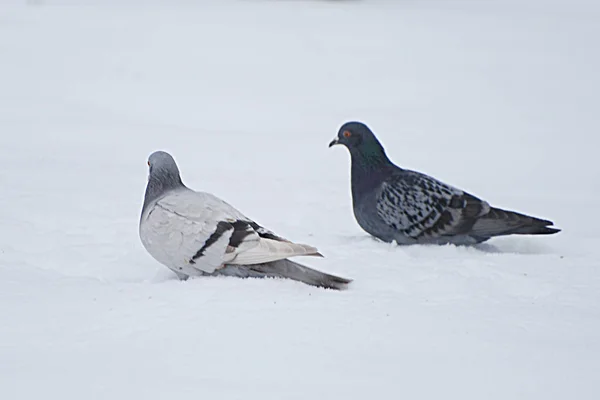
{"type": "Point", "coordinates": [195, 231]}
{"type": "Point", "coordinates": [272, 250]}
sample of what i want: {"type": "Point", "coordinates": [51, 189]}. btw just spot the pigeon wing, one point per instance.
{"type": "Point", "coordinates": [189, 231]}
{"type": "Point", "coordinates": [252, 243]}
{"type": "Point", "coordinates": [198, 230]}
{"type": "Point", "coordinates": [420, 206]}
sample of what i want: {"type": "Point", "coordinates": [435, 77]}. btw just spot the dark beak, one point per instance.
{"type": "Point", "coordinates": [334, 142]}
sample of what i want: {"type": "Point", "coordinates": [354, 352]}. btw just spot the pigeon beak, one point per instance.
{"type": "Point", "coordinates": [334, 142]}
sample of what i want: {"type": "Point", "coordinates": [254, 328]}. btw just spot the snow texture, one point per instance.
{"type": "Point", "coordinates": [246, 95]}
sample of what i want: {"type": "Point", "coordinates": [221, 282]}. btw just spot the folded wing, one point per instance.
{"type": "Point", "coordinates": [200, 231]}
{"type": "Point", "coordinates": [420, 206]}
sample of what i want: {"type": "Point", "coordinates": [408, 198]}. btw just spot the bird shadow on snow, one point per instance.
{"type": "Point", "coordinates": [512, 247]}
{"type": "Point", "coordinates": [522, 246]}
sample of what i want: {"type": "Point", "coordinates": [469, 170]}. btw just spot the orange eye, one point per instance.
{"type": "Point", "coordinates": [347, 134]}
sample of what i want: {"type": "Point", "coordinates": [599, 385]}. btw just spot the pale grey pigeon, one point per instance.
{"type": "Point", "coordinates": [408, 207]}
{"type": "Point", "coordinates": [196, 234]}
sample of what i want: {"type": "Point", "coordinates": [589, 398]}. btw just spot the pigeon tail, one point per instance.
{"type": "Point", "coordinates": [285, 269]}
{"type": "Point", "coordinates": [500, 222]}
{"type": "Point", "coordinates": [292, 270]}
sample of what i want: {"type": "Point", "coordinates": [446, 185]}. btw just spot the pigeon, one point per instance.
{"type": "Point", "coordinates": [407, 207]}
{"type": "Point", "coordinates": [197, 234]}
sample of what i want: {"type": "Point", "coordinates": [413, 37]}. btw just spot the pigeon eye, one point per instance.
{"type": "Point", "coordinates": [148, 163]}
{"type": "Point", "coordinates": [347, 134]}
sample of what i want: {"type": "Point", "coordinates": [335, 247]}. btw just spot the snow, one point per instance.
{"type": "Point", "coordinates": [496, 97]}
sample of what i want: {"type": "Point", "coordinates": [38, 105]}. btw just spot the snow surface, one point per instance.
{"type": "Point", "coordinates": [497, 97]}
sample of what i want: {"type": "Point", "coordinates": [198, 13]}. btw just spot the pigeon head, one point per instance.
{"type": "Point", "coordinates": [161, 163]}
{"type": "Point", "coordinates": [163, 176]}
{"type": "Point", "coordinates": [361, 142]}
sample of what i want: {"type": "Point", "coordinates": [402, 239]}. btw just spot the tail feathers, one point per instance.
{"type": "Point", "coordinates": [286, 269]}
{"type": "Point", "coordinates": [501, 222]}
{"type": "Point", "coordinates": [292, 270]}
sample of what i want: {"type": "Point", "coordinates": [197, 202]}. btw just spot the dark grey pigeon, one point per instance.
{"type": "Point", "coordinates": [395, 204]}
{"type": "Point", "coordinates": [197, 234]}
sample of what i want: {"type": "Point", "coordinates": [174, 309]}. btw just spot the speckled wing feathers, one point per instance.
{"type": "Point", "coordinates": [420, 206]}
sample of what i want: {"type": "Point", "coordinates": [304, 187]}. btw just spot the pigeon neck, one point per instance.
{"type": "Point", "coordinates": [367, 166]}
{"type": "Point", "coordinates": [368, 159]}
{"type": "Point", "coordinates": [159, 184]}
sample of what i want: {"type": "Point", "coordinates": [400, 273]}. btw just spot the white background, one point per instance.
{"type": "Point", "coordinates": [499, 98]}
